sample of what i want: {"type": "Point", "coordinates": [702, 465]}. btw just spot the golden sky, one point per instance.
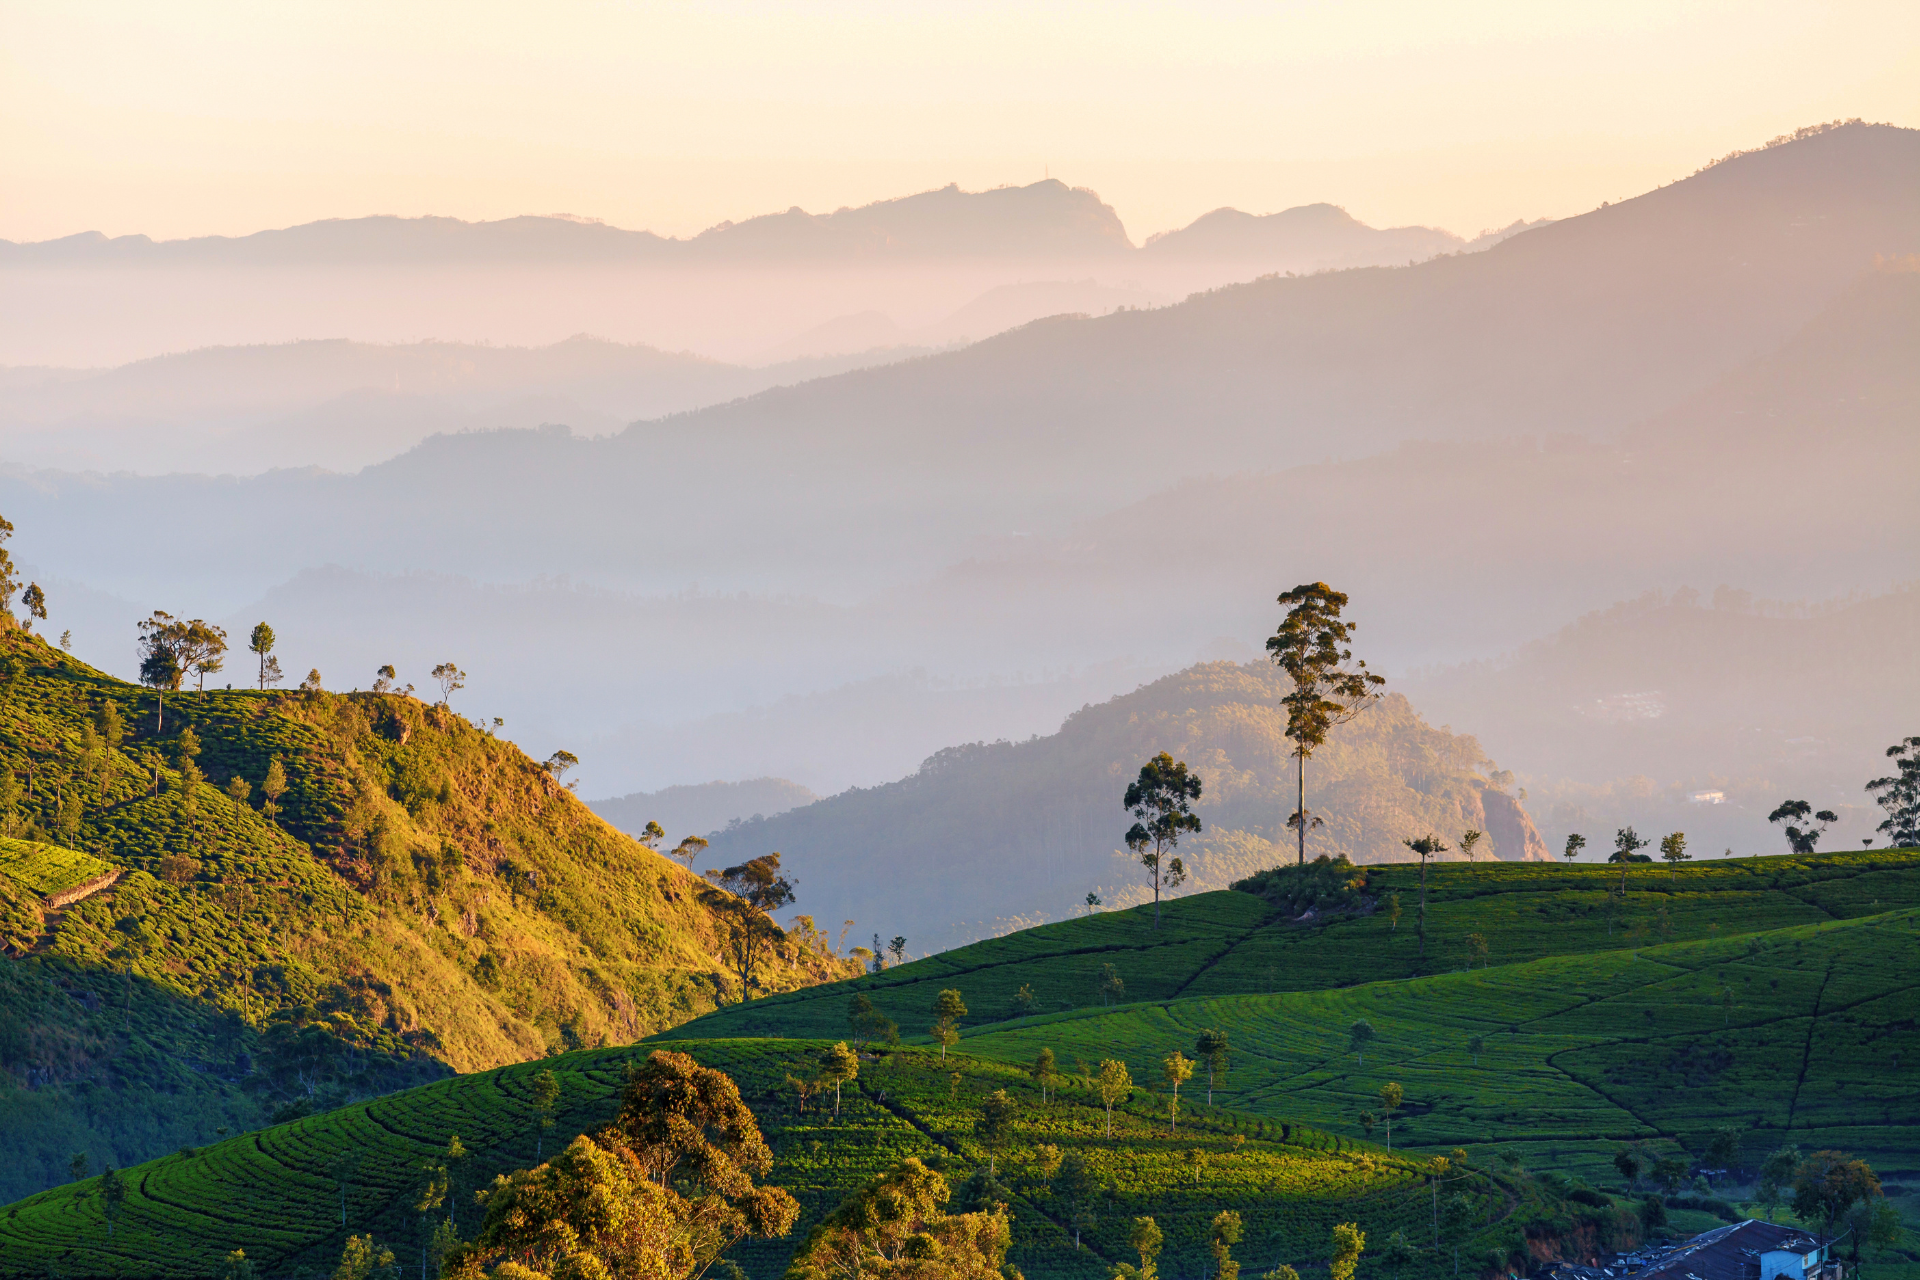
{"type": "Point", "coordinates": [180, 118]}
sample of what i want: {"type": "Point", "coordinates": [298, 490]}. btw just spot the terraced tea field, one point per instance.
{"type": "Point", "coordinates": [1230, 943]}
{"type": "Point", "coordinates": [281, 1193]}
{"type": "Point", "coordinates": [1796, 1034]}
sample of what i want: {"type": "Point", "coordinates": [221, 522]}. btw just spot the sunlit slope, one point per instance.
{"type": "Point", "coordinates": [276, 1193]}
{"type": "Point", "coordinates": [1797, 1034]}
{"type": "Point", "coordinates": [425, 898]}
{"type": "Point", "coordinates": [1238, 943]}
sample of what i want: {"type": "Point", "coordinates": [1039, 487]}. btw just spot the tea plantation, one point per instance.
{"type": "Point", "coordinates": [1229, 943]}
{"type": "Point", "coordinates": [421, 897]}
{"type": "Point", "coordinates": [1794, 1034]}
{"type": "Point", "coordinates": [281, 1193]}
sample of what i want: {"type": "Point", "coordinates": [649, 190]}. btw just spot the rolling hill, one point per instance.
{"type": "Point", "coordinates": [426, 898]}
{"type": "Point", "coordinates": [992, 835]}
{"type": "Point", "coordinates": [1331, 927]}
{"type": "Point", "coordinates": [1582, 1052]}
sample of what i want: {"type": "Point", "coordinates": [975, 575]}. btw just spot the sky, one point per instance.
{"type": "Point", "coordinates": [177, 119]}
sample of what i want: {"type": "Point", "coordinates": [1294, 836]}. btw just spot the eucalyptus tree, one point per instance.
{"type": "Point", "coordinates": [1899, 794]}
{"type": "Point", "coordinates": [1330, 686]}
{"type": "Point", "coordinates": [1427, 846]}
{"type": "Point", "coordinates": [1161, 801]}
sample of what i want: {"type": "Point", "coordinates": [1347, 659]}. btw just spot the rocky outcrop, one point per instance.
{"type": "Point", "coordinates": [1510, 830]}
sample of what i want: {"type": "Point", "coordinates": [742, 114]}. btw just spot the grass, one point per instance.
{"type": "Point", "coordinates": [1228, 942]}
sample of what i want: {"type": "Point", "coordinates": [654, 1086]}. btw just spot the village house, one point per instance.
{"type": "Point", "coordinates": [1750, 1250]}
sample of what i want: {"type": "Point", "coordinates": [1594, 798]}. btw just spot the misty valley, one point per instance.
{"type": "Point", "coordinates": [936, 741]}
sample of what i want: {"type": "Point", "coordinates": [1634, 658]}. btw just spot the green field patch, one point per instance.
{"type": "Point", "coordinates": [47, 869]}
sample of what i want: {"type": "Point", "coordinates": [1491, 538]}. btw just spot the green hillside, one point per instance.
{"type": "Point", "coordinates": [1236, 943]}
{"type": "Point", "coordinates": [1795, 1034]}
{"type": "Point", "coordinates": [426, 898]}
{"type": "Point", "coordinates": [278, 1193]}
{"type": "Point", "coordinates": [1582, 1053]}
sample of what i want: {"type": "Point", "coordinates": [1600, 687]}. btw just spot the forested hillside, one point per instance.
{"type": "Point", "coordinates": [300, 898]}
{"type": "Point", "coordinates": [1041, 823]}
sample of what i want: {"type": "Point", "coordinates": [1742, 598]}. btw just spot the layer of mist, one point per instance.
{"type": "Point", "coordinates": [1710, 386]}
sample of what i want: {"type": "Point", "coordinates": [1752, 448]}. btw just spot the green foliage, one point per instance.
{"type": "Point", "coordinates": [416, 896]}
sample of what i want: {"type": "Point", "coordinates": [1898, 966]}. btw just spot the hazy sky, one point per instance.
{"type": "Point", "coordinates": [189, 118]}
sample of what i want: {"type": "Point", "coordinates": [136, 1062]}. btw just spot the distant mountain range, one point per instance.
{"type": "Point", "coordinates": [1710, 384]}
{"type": "Point", "coordinates": [1046, 220]}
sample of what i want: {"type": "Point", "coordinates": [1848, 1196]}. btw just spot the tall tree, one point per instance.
{"type": "Point", "coordinates": [1575, 843]}
{"type": "Point", "coordinates": [1225, 1231]}
{"type": "Point", "coordinates": [1359, 1035]}
{"type": "Point", "coordinates": [1043, 1071]}
{"type": "Point", "coordinates": [1673, 848]}
{"type": "Point", "coordinates": [545, 1101]}
{"type": "Point", "coordinates": [260, 643]}
{"type": "Point", "coordinates": [450, 678]}
{"type": "Point", "coordinates": [1161, 801]}
{"type": "Point", "coordinates": [113, 1194]}
{"type": "Point", "coordinates": [1427, 846]}
{"type": "Point", "coordinates": [1344, 1254]}
{"type": "Point", "coordinates": [210, 647]}
{"type": "Point", "coordinates": [666, 1189]}
{"type": "Point", "coordinates": [1792, 812]}
{"type": "Point", "coordinates": [995, 1125]}
{"type": "Point", "coordinates": [1899, 794]}
{"type": "Point", "coordinates": [163, 640]}
{"type": "Point", "coordinates": [1078, 1187]}
{"type": "Point", "coordinates": [1330, 686]}
{"type": "Point", "coordinates": [897, 948]}
{"type": "Point", "coordinates": [689, 849]}
{"type": "Point", "coordinates": [750, 893]}
{"type": "Point", "coordinates": [838, 1065]}
{"type": "Point", "coordinates": [1391, 1095]}
{"type": "Point", "coordinates": [273, 787]}
{"type": "Point", "coordinates": [1115, 1086]}
{"type": "Point", "coordinates": [948, 1009]}
{"type": "Point", "coordinates": [1776, 1175]}
{"type": "Point", "coordinates": [1145, 1239]}
{"type": "Point", "coordinates": [1213, 1049]}
{"type": "Point", "coordinates": [897, 1225]}
{"type": "Point", "coordinates": [1176, 1068]}
{"type": "Point", "coordinates": [34, 601]}
{"type": "Point", "coordinates": [1468, 840]}
{"type": "Point", "coordinates": [9, 582]}
{"type": "Point", "coordinates": [1828, 1183]}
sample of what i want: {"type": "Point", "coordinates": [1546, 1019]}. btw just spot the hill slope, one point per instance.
{"type": "Point", "coordinates": [1332, 926]}
{"type": "Point", "coordinates": [278, 1194]}
{"type": "Point", "coordinates": [1585, 1051]}
{"type": "Point", "coordinates": [427, 898]}
{"type": "Point", "coordinates": [993, 834]}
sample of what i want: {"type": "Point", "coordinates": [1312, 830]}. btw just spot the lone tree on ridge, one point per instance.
{"type": "Point", "coordinates": [1161, 800]}
{"type": "Point", "coordinates": [1427, 846]}
{"type": "Point", "coordinates": [1330, 686]}
{"type": "Point", "coordinates": [1793, 812]}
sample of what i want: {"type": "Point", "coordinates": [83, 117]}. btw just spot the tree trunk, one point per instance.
{"type": "Point", "coordinates": [1300, 811]}
{"type": "Point", "coordinates": [1423, 908]}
